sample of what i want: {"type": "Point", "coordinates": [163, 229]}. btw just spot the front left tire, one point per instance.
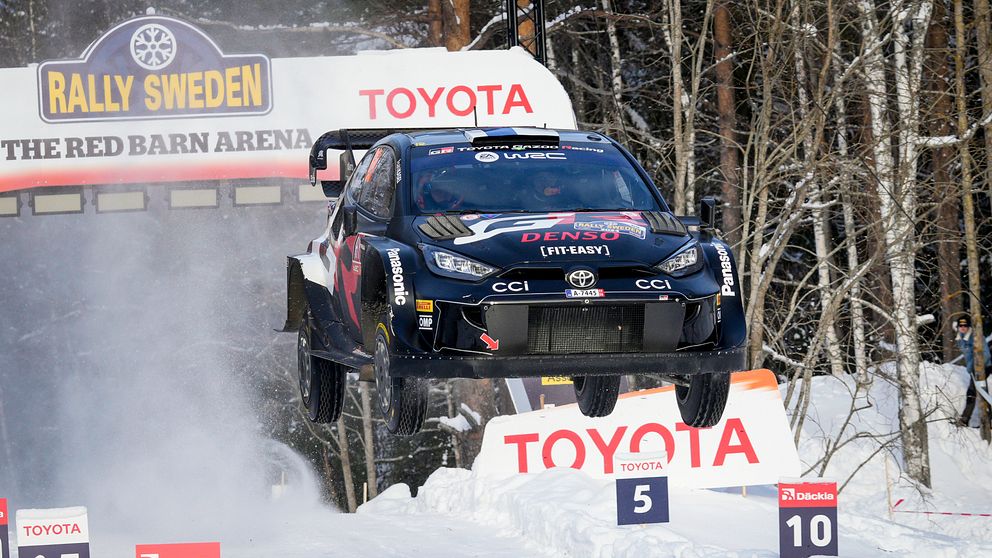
{"type": "Point", "coordinates": [596, 395]}
{"type": "Point", "coordinates": [322, 382]}
{"type": "Point", "coordinates": [402, 401]}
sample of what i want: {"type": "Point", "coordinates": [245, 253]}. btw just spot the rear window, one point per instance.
{"type": "Point", "coordinates": [460, 178]}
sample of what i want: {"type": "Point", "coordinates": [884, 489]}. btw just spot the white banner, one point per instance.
{"type": "Point", "coordinates": [188, 111]}
{"type": "Point", "coordinates": [51, 527]}
{"type": "Point", "coordinates": [751, 445]}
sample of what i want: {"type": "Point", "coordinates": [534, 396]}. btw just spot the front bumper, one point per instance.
{"type": "Point", "coordinates": [675, 363]}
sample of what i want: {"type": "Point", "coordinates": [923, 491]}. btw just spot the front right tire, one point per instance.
{"type": "Point", "coordinates": [402, 401]}
{"type": "Point", "coordinates": [702, 402]}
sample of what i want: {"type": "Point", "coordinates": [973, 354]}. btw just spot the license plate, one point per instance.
{"type": "Point", "coordinates": [584, 293]}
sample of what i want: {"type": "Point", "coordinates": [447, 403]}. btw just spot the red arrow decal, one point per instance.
{"type": "Point", "coordinates": [492, 344]}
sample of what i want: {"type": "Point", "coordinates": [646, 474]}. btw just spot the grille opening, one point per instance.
{"type": "Point", "coordinates": [585, 329]}
{"type": "Point", "coordinates": [473, 315]}
{"type": "Point", "coordinates": [692, 310]}
{"type": "Point", "coordinates": [625, 272]}
{"type": "Point", "coordinates": [534, 273]}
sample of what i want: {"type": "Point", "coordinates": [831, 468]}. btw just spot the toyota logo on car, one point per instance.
{"type": "Point", "coordinates": [581, 278]}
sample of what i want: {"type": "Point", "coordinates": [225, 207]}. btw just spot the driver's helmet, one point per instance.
{"type": "Point", "coordinates": [545, 185]}
{"type": "Point", "coordinates": [438, 193]}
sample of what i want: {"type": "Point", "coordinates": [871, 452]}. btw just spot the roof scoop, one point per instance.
{"type": "Point", "coordinates": [512, 136]}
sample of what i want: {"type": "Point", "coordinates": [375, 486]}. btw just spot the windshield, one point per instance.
{"type": "Point", "coordinates": [570, 177]}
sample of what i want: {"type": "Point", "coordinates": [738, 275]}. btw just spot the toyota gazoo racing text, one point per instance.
{"type": "Point", "coordinates": [507, 252]}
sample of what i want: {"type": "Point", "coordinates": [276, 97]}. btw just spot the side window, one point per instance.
{"type": "Point", "coordinates": [378, 184]}
{"type": "Point", "coordinates": [355, 183]}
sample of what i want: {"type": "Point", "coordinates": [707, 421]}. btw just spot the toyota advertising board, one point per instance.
{"type": "Point", "coordinates": [751, 445]}
{"type": "Point", "coordinates": [53, 533]}
{"type": "Point", "coordinates": [156, 91]}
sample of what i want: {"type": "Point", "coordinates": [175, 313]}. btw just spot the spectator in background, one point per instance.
{"type": "Point", "coordinates": [966, 342]}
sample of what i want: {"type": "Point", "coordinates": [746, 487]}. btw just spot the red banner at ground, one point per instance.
{"type": "Point", "coordinates": [180, 550]}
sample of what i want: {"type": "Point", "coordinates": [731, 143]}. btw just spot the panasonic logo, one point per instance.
{"type": "Point", "coordinates": [399, 284]}
{"type": "Point", "coordinates": [727, 270]}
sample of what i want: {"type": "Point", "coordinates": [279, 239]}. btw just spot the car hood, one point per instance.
{"type": "Point", "coordinates": [511, 238]}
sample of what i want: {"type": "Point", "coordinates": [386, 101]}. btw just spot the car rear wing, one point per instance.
{"type": "Point", "coordinates": [347, 141]}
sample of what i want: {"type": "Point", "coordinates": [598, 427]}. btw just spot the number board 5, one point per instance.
{"type": "Point", "coordinates": [807, 519]}
{"type": "Point", "coordinates": [642, 500]}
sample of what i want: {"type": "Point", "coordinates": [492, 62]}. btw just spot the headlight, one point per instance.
{"type": "Point", "coordinates": [688, 261]}
{"type": "Point", "coordinates": [455, 266]}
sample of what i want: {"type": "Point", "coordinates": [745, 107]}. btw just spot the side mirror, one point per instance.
{"type": "Point", "coordinates": [707, 213]}
{"type": "Point", "coordinates": [349, 220]}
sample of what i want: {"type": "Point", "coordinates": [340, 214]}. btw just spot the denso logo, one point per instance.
{"type": "Point", "coordinates": [554, 236]}
{"type": "Point", "coordinates": [460, 100]}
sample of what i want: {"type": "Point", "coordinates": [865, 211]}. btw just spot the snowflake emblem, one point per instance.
{"type": "Point", "coordinates": [153, 46]}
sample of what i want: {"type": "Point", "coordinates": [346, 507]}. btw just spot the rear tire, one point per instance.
{"type": "Point", "coordinates": [402, 401]}
{"type": "Point", "coordinates": [597, 395]}
{"type": "Point", "coordinates": [703, 401]}
{"type": "Point", "coordinates": [322, 382]}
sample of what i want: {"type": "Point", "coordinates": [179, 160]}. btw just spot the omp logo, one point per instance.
{"type": "Point", "coordinates": [153, 67]}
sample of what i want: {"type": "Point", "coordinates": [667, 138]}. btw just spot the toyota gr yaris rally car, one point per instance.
{"type": "Point", "coordinates": [494, 253]}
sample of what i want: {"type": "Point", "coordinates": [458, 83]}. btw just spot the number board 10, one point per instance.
{"type": "Point", "coordinates": [807, 519]}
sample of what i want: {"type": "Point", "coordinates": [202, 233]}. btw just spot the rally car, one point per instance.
{"type": "Point", "coordinates": [495, 253]}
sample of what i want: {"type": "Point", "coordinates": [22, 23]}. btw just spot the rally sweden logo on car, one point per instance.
{"type": "Point", "coordinates": [153, 67]}
{"type": "Point", "coordinates": [629, 229]}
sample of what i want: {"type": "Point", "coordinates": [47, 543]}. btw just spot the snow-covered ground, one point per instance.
{"type": "Point", "coordinates": [564, 512]}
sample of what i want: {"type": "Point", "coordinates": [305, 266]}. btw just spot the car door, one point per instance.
{"type": "Point", "coordinates": [371, 202]}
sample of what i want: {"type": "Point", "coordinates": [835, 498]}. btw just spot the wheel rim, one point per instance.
{"type": "Point", "coordinates": [383, 383]}
{"type": "Point", "coordinates": [579, 383]}
{"type": "Point", "coordinates": [306, 372]}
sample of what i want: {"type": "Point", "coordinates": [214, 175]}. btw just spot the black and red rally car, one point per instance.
{"type": "Point", "coordinates": [507, 252]}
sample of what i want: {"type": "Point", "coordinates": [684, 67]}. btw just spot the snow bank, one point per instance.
{"type": "Point", "coordinates": [564, 512]}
